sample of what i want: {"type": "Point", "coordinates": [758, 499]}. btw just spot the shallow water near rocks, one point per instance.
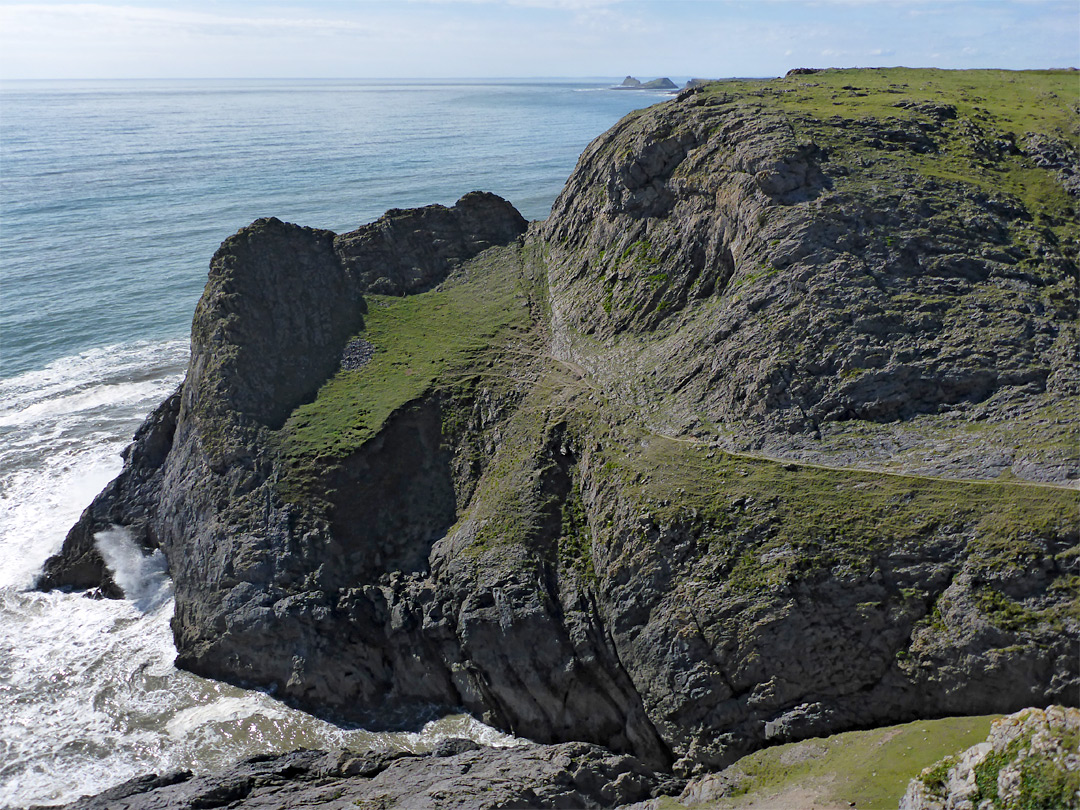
{"type": "Point", "coordinates": [89, 695]}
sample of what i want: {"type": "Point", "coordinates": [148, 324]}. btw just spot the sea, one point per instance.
{"type": "Point", "coordinates": [113, 197]}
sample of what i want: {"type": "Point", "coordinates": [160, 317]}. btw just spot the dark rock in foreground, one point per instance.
{"type": "Point", "coordinates": [572, 775]}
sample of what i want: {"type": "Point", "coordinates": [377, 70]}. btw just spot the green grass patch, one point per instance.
{"type": "Point", "coordinates": [870, 769]}
{"type": "Point", "coordinates": [975, 123]}
{"type": "Point", "coordinates": [575, 541]}
{"type": "Point", "coordinates": [745, 509]}
{"type": "Point", "coordinates": [448, 337]}
{"type": "Point", "coordinates": [639, 256]}
{"type": "Point", "coordinates": [512, 503]}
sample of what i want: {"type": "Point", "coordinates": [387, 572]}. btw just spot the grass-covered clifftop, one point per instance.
{"type": "Point", "coordinates": [871, 268]}
{"type": "Point", "coordinates": [864, 769]}
{"type": "Point", "coordinates": [442, 342]}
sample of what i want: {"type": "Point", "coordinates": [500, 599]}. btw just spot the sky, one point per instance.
{"type": "Point", "coordinates": [525, 38]}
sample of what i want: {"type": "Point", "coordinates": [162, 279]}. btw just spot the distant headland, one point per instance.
{"type": "Point", "coordinates": [630, 83]}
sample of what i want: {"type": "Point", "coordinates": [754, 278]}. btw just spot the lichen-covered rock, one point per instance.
{"type": "Point", "coordinates": [1030, 760]}
{"type": "Point", "coordinates": [814, 287]}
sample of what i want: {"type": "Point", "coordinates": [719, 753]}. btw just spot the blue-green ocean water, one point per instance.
{"type": "Point", "coordinates": [113, 197]}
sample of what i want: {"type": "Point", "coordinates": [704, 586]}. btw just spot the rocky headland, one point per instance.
{"type": "Point", "coordinates": [767, 432]}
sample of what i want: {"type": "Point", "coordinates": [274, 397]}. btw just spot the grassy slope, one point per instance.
{"type": "Point", "coordinates": [836, 516]}
{"type": "Point", "coordinates": [769, 523]}
{"type": "Point", "coordinates": [869, 770]}
{"type": "Point", "coordinates": [1000, 104]}
{"type": "Point", "coordinates": [440, 339]}
{"type": "Point", "coordinates": [839, 110]}
{"type": "Point", "coordinates": [830, 515]}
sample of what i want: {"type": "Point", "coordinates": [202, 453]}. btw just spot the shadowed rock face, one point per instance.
{"type": "Point", "coordinates": [409, 251]}
{"type": "Point", "coordinates": [550, 532]}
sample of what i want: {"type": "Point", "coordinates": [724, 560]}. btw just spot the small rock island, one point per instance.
{"type": "Point", "coordinates": [630, 83]}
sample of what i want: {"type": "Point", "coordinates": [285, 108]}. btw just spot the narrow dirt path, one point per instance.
{"type": "Point", "coordinates": [583, 376]}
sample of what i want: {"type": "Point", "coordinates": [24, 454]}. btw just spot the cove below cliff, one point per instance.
{"type": "Point", "coordinates": [766, 433]}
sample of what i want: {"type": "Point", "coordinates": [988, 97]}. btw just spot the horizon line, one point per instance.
{"type": "Point", "coordinates": [505, 78]}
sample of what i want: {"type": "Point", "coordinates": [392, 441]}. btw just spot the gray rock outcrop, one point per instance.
{"type": "Point", "coordinates": [630, 83]}
{"type": "Point", "coordinates": [1030, 759]}
{"type": "Point", "coordinates": [569, 775]}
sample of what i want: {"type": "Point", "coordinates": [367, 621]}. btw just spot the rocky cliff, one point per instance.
{"type": "Point", "coordinates": [767, 432]}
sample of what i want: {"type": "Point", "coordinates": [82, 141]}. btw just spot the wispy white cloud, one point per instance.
{"type": "Point", "coordinates": [565, 5]}
{"type": "Point", "coordinates": [524, 37]}
{"type": "Point", "coordinates": [31, 17]}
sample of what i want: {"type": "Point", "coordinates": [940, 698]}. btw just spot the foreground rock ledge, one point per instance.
{"type": "Point", "coordinates": [459, 773]}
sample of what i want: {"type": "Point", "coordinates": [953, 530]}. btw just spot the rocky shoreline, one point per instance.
{"type": "Point", "coordinates": [1028, 760]}
{"type": "Point", "coordinates": [767, 433]}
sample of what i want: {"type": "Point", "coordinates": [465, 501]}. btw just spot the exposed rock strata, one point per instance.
{"type": "Point", "coordinates": [456, 775]}
{"type": "Point", "coordinates": [548, 532]}
{"type": "Point", "coordinates": [731, 263]}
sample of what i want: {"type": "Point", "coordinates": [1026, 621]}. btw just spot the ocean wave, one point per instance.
{"type": "Point", "coordinates": [116, 365]}
{"type": "Point", "coordinates": [62, 428]}
{"type": "Point", "coordinates": [142, 577]}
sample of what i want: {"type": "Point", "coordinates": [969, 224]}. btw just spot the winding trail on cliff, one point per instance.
{"type": "Point", "coordinates": [581, 374]}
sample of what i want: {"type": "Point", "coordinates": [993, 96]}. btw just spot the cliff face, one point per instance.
{"type": "Point", "coordinates": [861, 268]}
{"type": "Point", "coordinates": [429, 462]}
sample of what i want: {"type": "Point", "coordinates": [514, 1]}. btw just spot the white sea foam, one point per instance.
{"type": "Point", "coordinates": [89, 696]}
{"type": "Point", "coordinates": [223, 710]}
{"type": "Point", "coordinates": [137, 362]}
{"type": "Point", "coordinates": [460, 725]}
{"type": "Point", "coordinates": [142, 577]}
{"type": "Point", "coordinates": [39, 503]}
{"type": "Point", "coordinates": [61, 432]}
{"type": "Point", "coordinates": [116, 395]}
